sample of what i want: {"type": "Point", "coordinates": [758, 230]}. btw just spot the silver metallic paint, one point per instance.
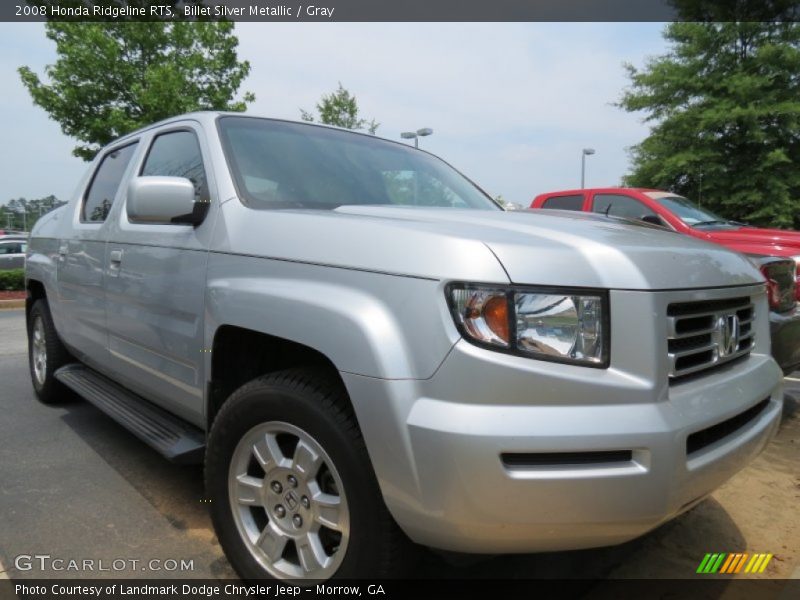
{"type": "Point", "coordinates": [159, 199]}
{"type": "Point", "coordinates": [365, 286]}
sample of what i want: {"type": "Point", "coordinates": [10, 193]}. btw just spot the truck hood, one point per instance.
{"type": "Point", "coordinates": [754, 240]}
{"type": "Point", "coordinates": [542, 247]}
{"type": "Point", "coordinates": [562, 248]}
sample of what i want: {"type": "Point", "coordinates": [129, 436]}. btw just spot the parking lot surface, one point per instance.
{"type": "Point", "coordinates": [77, 486]}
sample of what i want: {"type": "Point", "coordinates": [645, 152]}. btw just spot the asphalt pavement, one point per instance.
{"type": "Point", "coordinates": [75, 486]}
{"type": "Point", "coordinates": [12, 333]}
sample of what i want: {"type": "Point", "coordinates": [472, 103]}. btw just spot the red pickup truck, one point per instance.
{"type": "Point", "coordinates": [684, 216]}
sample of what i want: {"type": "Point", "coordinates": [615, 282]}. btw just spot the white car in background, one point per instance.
{"type": "Point", "coordinates": [12, 252]}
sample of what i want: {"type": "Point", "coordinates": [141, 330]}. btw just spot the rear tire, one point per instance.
{"type": "Point", "coordinates": [293, 494]}
{"type": "Point", "coordinates": [46, 354]}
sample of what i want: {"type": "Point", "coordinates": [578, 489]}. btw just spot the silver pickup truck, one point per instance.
{"type": "Point", "coordinates": [364, 349]}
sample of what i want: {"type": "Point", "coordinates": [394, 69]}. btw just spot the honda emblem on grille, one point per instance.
{"type": "Point", "coordinates": [728, 334]}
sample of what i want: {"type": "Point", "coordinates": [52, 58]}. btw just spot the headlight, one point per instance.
{"type": "Point", "coordinates": [568, 326]}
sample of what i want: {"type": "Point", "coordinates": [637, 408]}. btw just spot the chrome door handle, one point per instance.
{"type": "Point", "coordinates": [115, 257]}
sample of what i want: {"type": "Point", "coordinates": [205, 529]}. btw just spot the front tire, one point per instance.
{"type": "Point", "coordinates": [46, 354]}
{"type": "Point", "coordinates": [293, 494]}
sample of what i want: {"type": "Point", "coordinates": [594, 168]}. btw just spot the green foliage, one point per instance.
{"type": "Point", "coordinates": [21, 214]}
{"type": "Point", "coordinates": [724, 103]}
{"type": "Point", "coordinates": [112, 78]}
{"type": "Point", "coordinates": [13, 279]}
{"type": "Point", "coordinates": [340, 109]}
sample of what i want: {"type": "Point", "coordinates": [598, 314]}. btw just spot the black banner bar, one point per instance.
{"type": "Point", "coordinates": [401, 10]}
{"type": "Point", "coordinates": [708, 587]}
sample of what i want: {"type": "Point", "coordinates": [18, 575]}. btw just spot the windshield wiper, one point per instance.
{"type": "Point", "coordinates": [712, 222]}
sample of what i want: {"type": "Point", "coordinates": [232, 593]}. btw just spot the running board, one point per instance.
{"type": "Point", "coordinates": [176, 439]}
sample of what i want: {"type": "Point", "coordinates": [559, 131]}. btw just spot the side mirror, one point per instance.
{"type": "Point", "coordinates": [164, 200]}
{"type": "Point", "coordinates": [652, 220]}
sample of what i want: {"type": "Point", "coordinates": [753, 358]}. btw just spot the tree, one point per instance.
{"type": "Point", "coordinates": [341, 109]}
{"type": "Point", "coordinates": [724, 103]}
{"type": "Point", "coordinates": [19, 213]}
{"type": "Point", "coordinates": [112, 78]}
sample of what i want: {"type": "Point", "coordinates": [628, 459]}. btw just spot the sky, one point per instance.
{"type": "Point", "coordinates": [511, 105]}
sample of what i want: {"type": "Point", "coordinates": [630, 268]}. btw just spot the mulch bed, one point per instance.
{"type": "Point", "coordinates": [6, 295]}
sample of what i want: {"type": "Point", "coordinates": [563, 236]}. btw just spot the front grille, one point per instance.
{"type": "Point", "coordinates": [706, 334]}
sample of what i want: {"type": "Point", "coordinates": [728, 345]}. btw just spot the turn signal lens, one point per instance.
{"type": "Point", "coordinates": [773, 293]}
{"type": "Point", "coordinates": [483, 313]}
{"type": "Point", "coordinates": [495, 312]}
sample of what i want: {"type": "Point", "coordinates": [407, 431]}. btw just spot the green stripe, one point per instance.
{"type": "Point", "coordinates": [711, 562]}
{"type": "Point", "coordinates": [701, 568]}
{"type": "Point", "coordinates": [718, 564]}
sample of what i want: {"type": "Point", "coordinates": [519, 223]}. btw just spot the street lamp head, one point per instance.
{"type": "Point", "coordinates": [588, 151]}
{"type": "Point", "coordinates": [424, 131]}
{"type": "Point", "coordinates": [408, 135]}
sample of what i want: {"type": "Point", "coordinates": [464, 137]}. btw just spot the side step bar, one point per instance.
{"type": "Point", "coordinates": [176, 439]}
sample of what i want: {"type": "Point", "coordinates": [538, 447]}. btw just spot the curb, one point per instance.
{"type": "Point", "coordinates": [8, 304]}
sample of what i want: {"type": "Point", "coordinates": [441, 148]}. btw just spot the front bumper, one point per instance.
{"type": "Point", "coordinates": [438, 445]}
{"type": "Point", "coordinates": [785, 333]}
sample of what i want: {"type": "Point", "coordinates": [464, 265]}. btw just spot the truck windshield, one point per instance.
{"type": "Point", "coordinates": [691, 214]}
{"type": "Point", "coordinates": [280, 164]}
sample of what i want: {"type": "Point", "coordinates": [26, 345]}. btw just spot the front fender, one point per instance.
{"type": "Point", "coordinates": [365, 323]}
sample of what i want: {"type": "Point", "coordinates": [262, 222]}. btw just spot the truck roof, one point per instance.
{"type": "Point", "coordinates": [209, 116]}
{"type": "Point", "coordinates": [605, 190]}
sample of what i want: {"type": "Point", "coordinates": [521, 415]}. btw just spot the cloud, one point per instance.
{"type": "Point", "coordinates": [511, 104]}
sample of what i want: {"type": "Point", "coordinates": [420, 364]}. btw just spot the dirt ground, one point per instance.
{"type": "Point", "coordinates": [756, 511]}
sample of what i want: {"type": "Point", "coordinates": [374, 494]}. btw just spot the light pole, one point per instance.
{"type": "Point", "coordinates": [584, 153]}
{"type": "Point", "coordinates": [415, 135]}
{"type": "Point", "coordinates": [700, 191]}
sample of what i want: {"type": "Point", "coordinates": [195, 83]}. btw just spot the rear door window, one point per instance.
{"type": "Point", "coordinates": [571, 202]}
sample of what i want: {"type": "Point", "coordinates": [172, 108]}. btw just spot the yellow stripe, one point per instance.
{"type": "Point", "coordinates": [750, 564]}
{"type": "Point", "coordinates": [765, 563]}
{"type": "Point", "coordinates": [727, 562]}
{"type": "Point", "coordinates": [741, 562]}
{"type": "Point", "coordinates": [757, 563]}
